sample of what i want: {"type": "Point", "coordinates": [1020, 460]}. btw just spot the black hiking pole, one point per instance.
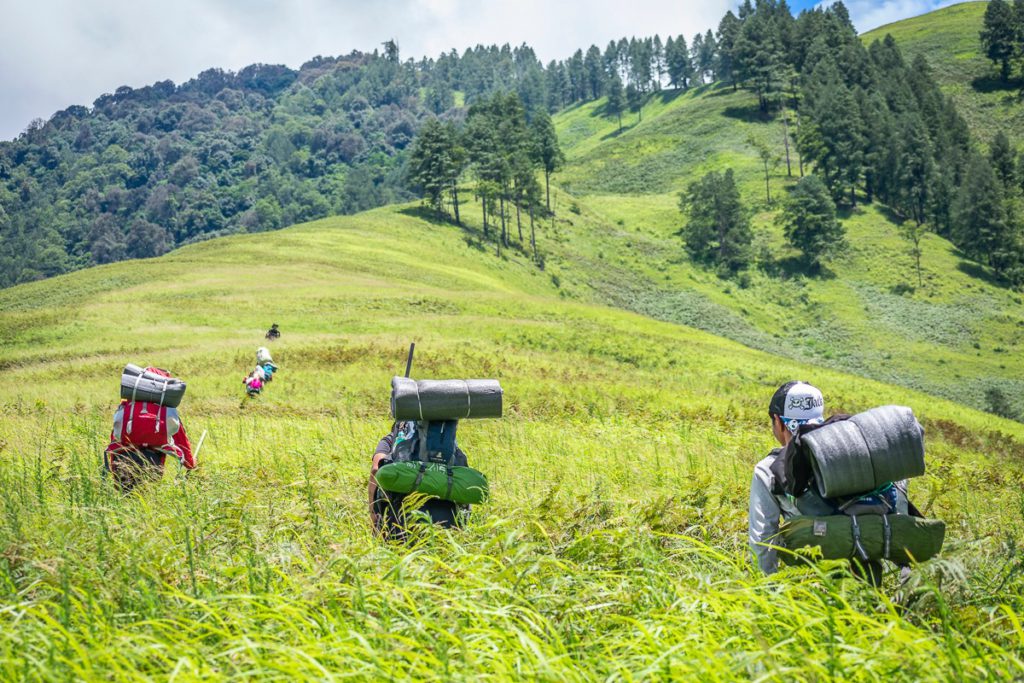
{"type": "Point", "coordinates": [408, 362]}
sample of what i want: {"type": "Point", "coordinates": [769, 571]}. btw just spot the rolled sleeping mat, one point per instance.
{"type": "Point", "coordinates": [895, 440]}
{"type": "Point", "coordinates": [840, 459]}
{"type": "Point", "coordinates": [450, 399]}
{"type": "Point", "coordinates": [869, 450]}
{"type": "Point", "coordinates": [468, 486]}
{"type": "Point", "coordinates": [140, 385]}
{"type": "Point", "coordinates": [911, 539]}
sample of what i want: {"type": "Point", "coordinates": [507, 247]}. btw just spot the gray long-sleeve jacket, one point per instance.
{"type": "Point", "coordinates": [767, 509]}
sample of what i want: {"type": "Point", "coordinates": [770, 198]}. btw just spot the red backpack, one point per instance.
{"type": "Point", "coordinates": [144, 424]}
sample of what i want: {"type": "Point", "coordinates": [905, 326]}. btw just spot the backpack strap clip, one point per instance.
{"type": "Point", "coordinates": [856, 539]}
{"type": "Point", "coordinates": [419, 476]}
{"type": "Point", "coordinates": [888, 537]}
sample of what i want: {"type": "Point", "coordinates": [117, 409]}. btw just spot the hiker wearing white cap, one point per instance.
{"type": "Point", "coordinates": [793, 404]}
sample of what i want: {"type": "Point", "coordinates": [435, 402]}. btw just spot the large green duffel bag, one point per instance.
{"type": "Point", "coordinates": [467, 486]}
{"type": "Point", "coordinates": [900, 538]}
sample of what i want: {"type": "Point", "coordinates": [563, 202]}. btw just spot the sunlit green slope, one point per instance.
{"type": "Point", "coordinates": [956, 333]}
{"type": "Point", "coordinates": [614, 546]}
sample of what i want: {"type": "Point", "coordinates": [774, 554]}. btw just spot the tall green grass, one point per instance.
{"type": "Point", "coordinates": [615, 544]}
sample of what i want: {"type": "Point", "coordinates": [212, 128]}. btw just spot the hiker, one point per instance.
{"type": "Point", "coordinates": [387, 514]}
{"type": "Point", "coordinates": [265, 364]}
{"type": "Point", "coordinates": [273, 333]}
{"type": "Point", "coordinates": [147, 428]}
{"type": "Point", "coordinates": [254, 382]}
{"type": "Point", "coordinates": [419, 462]}
{"type": "Point", "coordinates": [793, 405]}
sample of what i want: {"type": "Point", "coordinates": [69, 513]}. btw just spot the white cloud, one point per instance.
{"type": "Point", "coordinates": [62, 52]}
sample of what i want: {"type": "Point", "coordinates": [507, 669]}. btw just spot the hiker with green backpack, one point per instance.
{"type": "Point", "coordinates": [387, 508]}
{"type": "Point", "coordinates": [418, 469]}
{"type": "Point", "coordinates": [839, 486]}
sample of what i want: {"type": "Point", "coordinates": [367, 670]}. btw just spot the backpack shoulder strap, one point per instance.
{"type": "Point", "coordinates": [421, 428]}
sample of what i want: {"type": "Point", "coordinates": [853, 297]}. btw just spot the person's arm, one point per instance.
{"type": "Point", "coordinates": [763, 522]}
{"type": "Point", "coordinates": [181, 441]}
{"type": "Point", "coordinates": [382, 452]}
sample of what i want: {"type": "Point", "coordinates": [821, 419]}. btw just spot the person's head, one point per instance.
{"type": "Point", "coordinates": [793, 404]}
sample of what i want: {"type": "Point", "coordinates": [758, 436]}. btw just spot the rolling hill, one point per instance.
{"type": "Point", "coordinates": [615, 542]}
{"type": "Point", "coordinates": [955, 335]}
{"type": "Point", "coordinates": [614, 547]}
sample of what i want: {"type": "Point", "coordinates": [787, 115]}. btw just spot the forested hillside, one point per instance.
{"type": "Point", "coordinates": [145, 170]}
{"type": "Point", "coordinates": [845, 215]}
{"type": "Point", "coordinates": [949, 39]}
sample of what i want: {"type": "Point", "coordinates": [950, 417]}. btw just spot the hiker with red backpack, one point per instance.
{"type": "Point", "coordinates": [840, 487]}
{"type": "Point", "coordinates": [147, 427]}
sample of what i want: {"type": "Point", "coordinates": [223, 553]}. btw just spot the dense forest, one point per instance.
{"type": "Point", "coordinates": [145, 170]}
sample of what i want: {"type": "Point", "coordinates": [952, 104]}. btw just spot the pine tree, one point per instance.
{"type": "Point", "coordinates": [809, 219]}
{"type": "Point", "coordinates": [834, 138]}
{"type": "Point", "coordinates": [430, 162]}
{"type": "Point", "coordinates": [914, 169]}
{"type": "Point", "coordinates": [696, 50]}
{"type": "Point", "coordinates": [549, 154]}
{"type": "Point", "coordinates": [658, 64]}
{"type": "Point", "coordinates": [616, 100]}
{"type": "Point", "coordinates": [914, 233]}
{"type": "Point", "coordinates": [678, 58]}
{"type": "Point", "coordinates": [1000, 36]}
{"type": "Point", "coordinates": [760, 59]}
{"type": "Point", "coordinates": [728, 33]}
{"type": "Point", "coordinates": [708, 56]}
{"type": "Point", "coordinates": [1004, 164]}
{"type": "Point", "coordinates": [635, 100]}
{"type": "Point", "coordinates": [592, 65]}
{"type": "Point", "coordinates": [718, 228]}
{"type": "Point", "coordinates": [981, 227]}
{"type": "Point", "coordinates": [769, 159]}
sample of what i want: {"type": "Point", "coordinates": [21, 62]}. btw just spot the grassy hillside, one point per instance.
{"type": "Point", "coordinates": [948, 38]}
{"type": "Point", "coordinates": [956, 334]}
{"type": "Point", "coordinates": [614, 546]}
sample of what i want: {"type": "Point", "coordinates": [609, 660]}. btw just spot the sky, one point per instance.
{"type": "Point", "coordinates": [56, 53]}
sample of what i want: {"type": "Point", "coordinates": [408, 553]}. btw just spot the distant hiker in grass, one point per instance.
{"type": "Point", "coordinates": [794, 405]}
{"type": "Point", "coordinates": [387, 511]}
{"type": "Point", "coordinates": [147, 428]}
{"type": "Point", "coordinates": [273, 333]}
{"type": "Point", "coordinates": [264, 361]}
{"type": "Point", "coordinates": [253, 382]}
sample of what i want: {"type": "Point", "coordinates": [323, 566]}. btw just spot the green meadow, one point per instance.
{"type": "Point", "coordinates": [636, 388]}
{"type": "Point", "coordinates": [614, 546]}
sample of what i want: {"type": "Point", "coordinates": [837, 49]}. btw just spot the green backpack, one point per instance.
{"type": "Point", "coordinates": [899, 538]}
{"type": "Point", "coordinates": [423, 461]}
